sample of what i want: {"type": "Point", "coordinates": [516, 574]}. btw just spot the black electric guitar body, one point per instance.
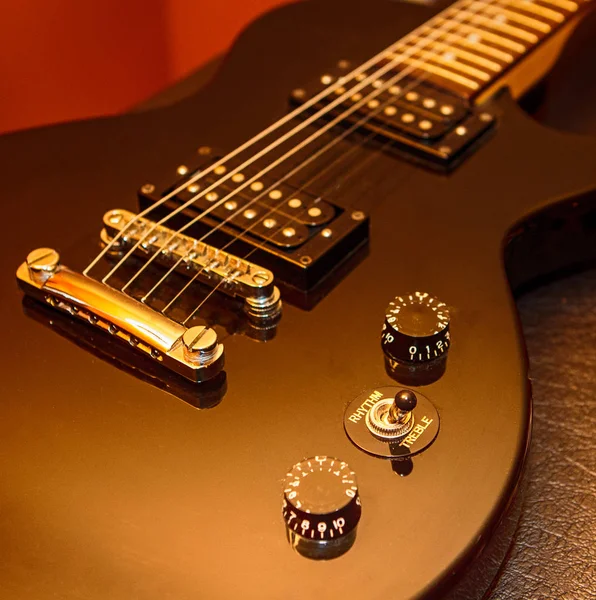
{"type": "Point", "coordinates": [122, 479]}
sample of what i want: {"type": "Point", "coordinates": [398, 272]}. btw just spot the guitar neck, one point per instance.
{"type": "Point", "coordinates": [479, 45]}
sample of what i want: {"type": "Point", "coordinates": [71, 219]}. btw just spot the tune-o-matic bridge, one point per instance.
{"type": "Point", "coordinates": [191, 257]}
{"type": "Point", "coordinates": [424, 124]}
{"type": "Point", "coordinates": [192, 352]}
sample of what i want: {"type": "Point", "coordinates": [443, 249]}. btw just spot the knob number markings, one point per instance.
{"type": "Point", "coordinates": [321, 499]}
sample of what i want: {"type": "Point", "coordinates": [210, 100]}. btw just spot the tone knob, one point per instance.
{"type": "Point", "coordinates": [416, 329]}
{"type": "Point", "coordinates": [321, 507]}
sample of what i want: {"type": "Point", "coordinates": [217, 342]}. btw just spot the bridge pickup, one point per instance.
{"type": "Point", "coordinates": [289, 230]}
{"type": "Point", "coordinates": [191, 352]}
{"type": "Point", "coordinates": [427, 126]}
{"type": "Point", "coordinates": [217, 268]}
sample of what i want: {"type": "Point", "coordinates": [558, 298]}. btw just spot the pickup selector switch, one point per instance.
{"type": "Point", "coordinates": [416, 329]}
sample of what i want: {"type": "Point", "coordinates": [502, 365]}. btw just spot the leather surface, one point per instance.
{"type": "Point", "coordinates": [554, 552]}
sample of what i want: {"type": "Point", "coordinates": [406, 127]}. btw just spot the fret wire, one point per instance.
{"type": "Point", "coordinates": [463, 40]}
{"type": "Point", "coordinates": [445, 73]}
{"type": "Point", "coordinates": [518, 18]}
{"type": "Point", "coordinates": [564, 4]}
{"type": "Point", "coordinates": [484, 21]}
{"type": "Point", "coordinates": [536, 9]}
{"type": "Point", "coordinates": [453, 65]}
{"type": "Point", "coordinates": [469, 56]}
{"type": "Point", "coordinates": [494, 38]}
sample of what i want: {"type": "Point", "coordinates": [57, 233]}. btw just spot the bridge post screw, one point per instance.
{"type": "Point", "coordinates": [200, 344]}
{"type": "Point", "coordinates": [358, 215]}
{"type": "Point", "coordinates": [148, 188]}
{"type": "Point", "coordinates": [42, 262]}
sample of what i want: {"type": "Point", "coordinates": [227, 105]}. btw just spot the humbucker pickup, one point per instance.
{"type": "Point", "coordinates": [426, 125]}
{"type": "Point", "coordinates": [299, 236]}
{"type": "Point", "coordinates": [192, 352]}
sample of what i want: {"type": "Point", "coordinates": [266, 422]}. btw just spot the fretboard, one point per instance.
{"type": "Point", "coordinates": [475, 42]}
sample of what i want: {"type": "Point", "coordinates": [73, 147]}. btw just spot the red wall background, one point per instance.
{"type": "Point", "coordinates": [70, 59]}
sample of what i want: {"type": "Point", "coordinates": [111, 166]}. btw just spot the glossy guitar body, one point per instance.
{"type": "Point", "coordinates": [112, 488]}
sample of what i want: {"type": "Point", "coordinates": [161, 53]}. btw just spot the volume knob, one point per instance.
{"type": "Point", "coordinates": [321, 507]}
{"type": "Point", "coordinates": [416, 329]}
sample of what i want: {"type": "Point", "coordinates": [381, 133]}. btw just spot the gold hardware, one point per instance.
{"type": "Point", "coordinates": [41, 263]}
{"type": "Point", "coordinates": [213, 266]}
{"type": "Point", "coordinates": [120, 315]}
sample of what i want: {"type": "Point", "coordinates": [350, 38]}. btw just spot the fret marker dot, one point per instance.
{"type": "Point", "coordinates": [315, 211]}
{"type": "Point", "coordinates": [289, 232]}
{"type": "Point", "coordinates": [408, 118]}
{"type": "Point", "coordinates": [270, 223]}
{"type": "Point", "coordinates": [295, 203]}
{"type": "Point", "coordinates": [212, 196]}
{"type": "Point", "coordinates": [220, 170]}
{"type": "Point", "coordinates": [390, 111]}
{"type": "Point", "coordinates": [429, 103]}
{"type": "Point", "coordinates": [182, 170]}
{"type": "Point", "coordinates": [249, 213]}
{"type": "Point", "coordinates": [256, 186]}
{"type": "Point", "coordinates": [461, 130]}
{"type": "Point", "coordinates": [446, 109]}
{"type": "Point", "coordinates": [275, 194]}
{"type": "Point", "coordinates": [238, 178]}
{"type": "Point", "coordinates": [231, 205]}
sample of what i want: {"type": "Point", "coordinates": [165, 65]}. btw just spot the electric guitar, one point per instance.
{"type": "Point", "coordinates": [267, 346]}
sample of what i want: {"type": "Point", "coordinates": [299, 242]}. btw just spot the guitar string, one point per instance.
{"type": "Point", "coordinates": [342, 180]}
{"type": "Point", "coordinates": [278, 161]}
{"type": "Point", "coordinates": [286, 224]}
{"type": "Point", "coordinates": [296, 112]}
{"type": "Point", "coordinates": [396, 61]}
{"type": "Point", "coordinates": [275, 208]}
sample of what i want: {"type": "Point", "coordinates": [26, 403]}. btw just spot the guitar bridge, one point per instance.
{"type": "Point", "coordinates": [192, 352]}
{"type": "Point", "coordinates": [191, 257]}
